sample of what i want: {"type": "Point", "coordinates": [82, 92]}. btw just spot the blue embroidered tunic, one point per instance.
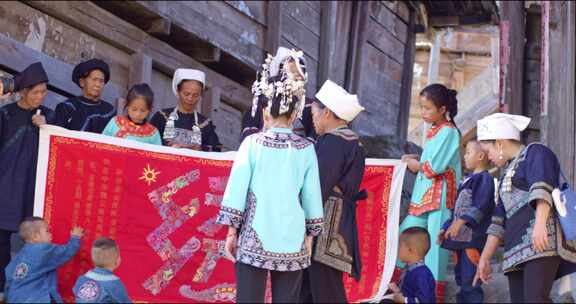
{"type": "Point", "coordinates": [418, 284]}
{"type": "Point", "coordinates": [100, 285]}
{"type": "Point", "coordinates": [474, 205]}
{"type": "Point", "coordinates": [123, 127]}
{"type": "Point", "coordinates": [31, 275]}
{"type": "Point", "coordinates": [273, 196]}
{"type": "Point", "coordinates": [530, 176]}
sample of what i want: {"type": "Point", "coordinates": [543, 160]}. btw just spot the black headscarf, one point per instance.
{"type": "Point", "coordinates": [30, 76]}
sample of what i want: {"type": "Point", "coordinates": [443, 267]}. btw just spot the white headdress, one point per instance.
{"type": "Point", "coordinates": [501, 126]}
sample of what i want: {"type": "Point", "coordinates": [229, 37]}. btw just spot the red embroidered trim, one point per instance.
{"type": "Point", "coordinates": [127, 127]}
{"type": "Point", "coordinates": [433, 197]}
{"type": "Point", "coordinates": [427, 170]}
{"type": "Point", "coordinates": [435, 129]}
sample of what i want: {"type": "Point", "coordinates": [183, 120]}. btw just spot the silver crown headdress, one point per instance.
{"type": "Point", "coordinates": [291, 81]}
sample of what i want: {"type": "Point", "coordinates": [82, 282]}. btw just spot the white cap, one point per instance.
{"type": "Point", "coordinates": [335, 98]}
{"type": "Point", "coordinates": [501, 126]}
{"type": "Point", "coordinates": [187, 74]}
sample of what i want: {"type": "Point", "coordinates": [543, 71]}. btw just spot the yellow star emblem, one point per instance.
{"type": "Point", "coordinates": [149, 175]}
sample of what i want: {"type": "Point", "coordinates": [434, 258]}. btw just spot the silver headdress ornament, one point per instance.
{"type": "Point", "coordinates": [290, 81]}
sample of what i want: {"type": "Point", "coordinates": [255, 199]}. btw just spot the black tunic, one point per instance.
{"type": "Point", "coordinates": [186, 121]}
{"type": "Point", "coordinates": [341, 161]}
{"type": "Point", "coordinates": [82, 114]}
{"type": "Point", "coordinates": [18, 158]}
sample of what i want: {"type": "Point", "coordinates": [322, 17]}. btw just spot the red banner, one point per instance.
{"type": "Point", "coordinates": [160, 205]}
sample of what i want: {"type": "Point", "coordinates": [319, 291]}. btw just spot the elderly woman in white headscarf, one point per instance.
{"type": "Point", "coordinates": [523, 219]}
{"type": "Point", "coordinates": [183, 126]}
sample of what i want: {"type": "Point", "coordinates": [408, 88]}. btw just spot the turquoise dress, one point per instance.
{"type": "Point", "coordinates": [121, 126]}
{"type": "Point", "coordinates": [434, 192]}
{"type": "Point", "coordinates": [273, 196]}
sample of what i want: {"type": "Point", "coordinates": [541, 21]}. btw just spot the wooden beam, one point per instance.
{"type": "Point", "coordinates": [16, 56]}
{"type": "Point", "coordinates": [97, 22]}
{"type": "Point", "coordinates": [407, 75]}
{"type": "Point", "coordinates": [274, 21]}
{"type": "Point", "coordinates": [327, 37]}
{"type": "Point", "coordinates": [204, 54]}
{"type": "Point", "coordinates": [160, 26]}
{"type": "Point", "coordinates": [140, 69]}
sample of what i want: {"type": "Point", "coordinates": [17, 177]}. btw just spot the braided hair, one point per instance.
{"type": "Point", "coordinates": [441, 96]}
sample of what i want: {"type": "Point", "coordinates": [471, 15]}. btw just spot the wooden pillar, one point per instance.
{"type": "Point", "coordinates": [140, 69]}
{"type": "Point", "coordinates": [434, 59]}
{"type": "Point", "coordinates": [558, 83]}
{"type": "Point", "coordinates": [274, 21]}
{"type": "Point", "coordinates": [513, 28]}
{"type": "Point", "coordinates": [211, 102]}
{"type": "Point", "coordinates": [357, 41]}
{"type": "Point", "coordinates": [327, 39]}
{"type": "Point", "coordinates": [407, 76]}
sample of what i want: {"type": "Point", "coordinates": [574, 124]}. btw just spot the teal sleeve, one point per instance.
{"type": "Point", "coordinates": [311, 196]}
{"type": "Point", "coordinates": [234, 200]}
{"type": "Point", "coordinates": [111, 128]}
{"type": "Point", "coordinates": [156, 139]}
{"type": "Point", "coordinates": [440, 152]}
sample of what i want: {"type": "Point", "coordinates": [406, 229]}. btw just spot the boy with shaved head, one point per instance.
{"type": "Point", "coordinates": [31, 275]}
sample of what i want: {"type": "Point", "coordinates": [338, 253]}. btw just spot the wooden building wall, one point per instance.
{"type": "Point", "coordinates": [367, 47]}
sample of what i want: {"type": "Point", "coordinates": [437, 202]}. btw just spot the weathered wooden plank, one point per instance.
{"type": "Point", "coordinates": [304, 14]}
{"type": "Point", "coordinates": [229, 126]}
{"type": "Point", "coordinates": [44, 33]}
{"type": "Point", "coordinates": [312, 69]}
{"type": "Point", "coordinates": [17, 56]}
{"type": "Point", "coordinates": [300, 36]}
{"type": "Point", "coordinates": [274, 31]}
{"type": "Point", "coordinates": [211, 101]}
{"type": "Point", "coordinates": [375, 58]}
{"type": "Point", "coordinates": [217, 23]}
{"type": "Point", "coordinates": [162, 86]}
{"type": "Point", "coordinates": [314, 4]}
{"type": "Point", "coordinates": [407, 77]}
{"type": "Point", "coordinates": [383, 40]}
{"type": "Point", "coordinates": [253, 9]}
{"type": "Point", "coordinates": [141, 69]}
{"type": "Point", "coordinates": [107, 27]}
{"type": "Point", "coordinates": [397, 27]}
{"type": "Point", "coordinates": [400, 8]}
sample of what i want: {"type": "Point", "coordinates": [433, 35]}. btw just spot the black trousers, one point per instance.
{"type": "Point", "coordinates": [251, 285]}
{"type": "Point", "coordinates": [532, 284]}
{"type": "Point", "coordinates": [5, 248]}
{"type": "Point", "coordinates": [322, 284]}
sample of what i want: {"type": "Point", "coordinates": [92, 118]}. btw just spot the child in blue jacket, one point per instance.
{"type": "Point", "coordinates": [31, 275]}
{"type": "Point", "coordinates": [100, 285]}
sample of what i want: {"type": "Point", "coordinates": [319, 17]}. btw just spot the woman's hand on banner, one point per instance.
{"type": "Point", "coordinates": [231, 244]}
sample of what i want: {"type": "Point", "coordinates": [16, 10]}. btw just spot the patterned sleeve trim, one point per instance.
{"type": "Point", "coordinates": [427, 170]}
{"type": "Point", "coordinates": [230, 217]}
{"type": "Point", "coordinates": [541, 191]}
{"type": "Point", "coordinates": [497, 227]}
{"type": "Point", "coordinates": [473, 214]}
{"type": "Point", "coordinates": [315, 226]}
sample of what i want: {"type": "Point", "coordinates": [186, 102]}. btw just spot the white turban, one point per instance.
{"type": "Point", "coordinates": [335, 98]}
{"type": "Point", "coordinates": [187, 74]}
{"type": "Point", "coordinates": [502, 126]}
